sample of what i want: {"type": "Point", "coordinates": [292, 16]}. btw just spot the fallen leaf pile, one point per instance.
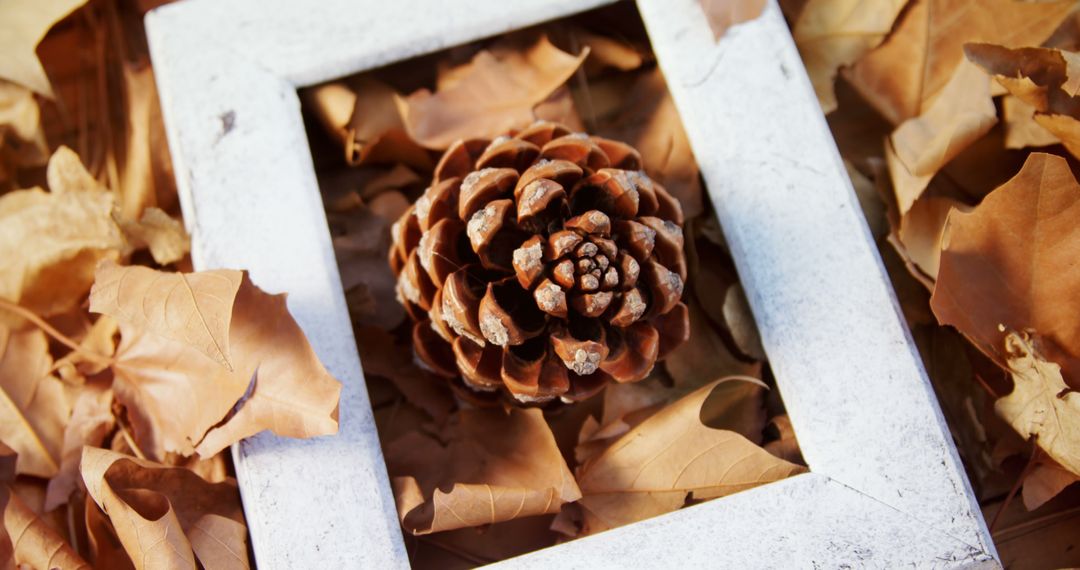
{"type": "Point", "coordinates": [960, 126]}
{"type": "Point", "coordinates": [476, 481]}
{"type": "Point", "coordinates": [123, 374]}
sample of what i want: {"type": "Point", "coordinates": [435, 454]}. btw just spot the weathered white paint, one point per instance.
{"type": "Point", "coordinates": [887, 488]}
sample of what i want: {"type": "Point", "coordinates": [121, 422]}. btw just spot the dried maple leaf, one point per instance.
{"type": "Point", "coordinates": [496, 92]}
{"type": "Point", "coordinates": [1045, 81]}
{"type": "Point", "coordinates": [179, 397]}
{"type": "Point", "coordinates": [831, 34]}
{"type": "Point", "coordinates": [1041, 405]}
{"type": "Point", "coordinates": [906, 72]}
{"type": "Point", "coordinates": [722, 14]}
{"type": "Point", "coordinates": [962, 113]}
{"type": "Point", "coordinates": [670, 457]}
{"type": "Point", "coordinates": [35, 406]}
{"type": "Point", "coordinates": [494, 467]}
{"type": "Point", "coordinates": [195, 309]}
{"type": "Point", "coordinates": [25, 24]}
{"type": "Point", "coordinates": [1011, 263]}
{"type": "Point", "coordinates": [163, 514]}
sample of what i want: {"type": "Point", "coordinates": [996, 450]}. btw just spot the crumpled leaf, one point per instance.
{"type": "Point", "coordinates": [195, 309]}
{"type": "Point", "coordinates": [50, 244]}
{"type": "Point", "coordinates": [163, 235]}
{"type": "Point", "coordinates": [1011, 262]}
{"type": "Point", "coordinates": [91, 420]}
{"type": "Point", "coordinates": [831, 34]}
{"type": "Point", "coordinates": [670, 457]}
{"type": "Point", "coordinates": [25, 24]}
{"type": "Point", "coordinates": [1021, 129]}
{"type": "Point", "coordinates": [160, 513]}
{"type": "Point", "coordinates": [495, 93]}
{"type": "Point", "coordinates": [494, 467]}
{"type": "Point", "coordinates": [909, 69]}
{"type": "Point", "coordinates": [1046, 81]}
{"type": "Point", "coordinates": [722, 14]}
{"type": "Point", "coordinates": [106, 551]}
{"type": "Point", "coordinates": [963, 112]}
{"type": "Point", "coordinates": [34, 406]}
{"type": "Point", "coordinates": [1041, 405]}
{"type": "Point", "coordinates": [918, 236]}
{"type": "Point", "coordinates": [181, 400]}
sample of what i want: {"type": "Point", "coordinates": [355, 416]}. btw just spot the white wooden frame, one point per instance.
{"type": "Point", "coordinates": [886, 487]}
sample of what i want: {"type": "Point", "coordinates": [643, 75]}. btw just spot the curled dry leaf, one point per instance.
{"type": "Point", "coordinates": [163, 514]}
{"type": "Point", "coordinates": [667, 459]}
{"type": "Point", "coordinates": [1011, 262]}
{"type": "Point", "coordinates": [1021, 128]}
{"type": "Point", "coordinates": [740, 322]}
{"type": "Point", "coordinates": [961, 114]}
{"type": "Point", "coordinates": [722, 14]}
{"type": "Point", "coordinates": [1041, 405]}
{"type": "Point", "coordinates": [1045, 81]}
{"type": "Point", "coordinates": [25, 24]}
{"type": "Point", "coordinates": [179, 398]}
{"type": "Point", "coordinates": [494, 467]}
{"type": "Point", "coordinates": [162, 234]}
{"type": "Point", "coordinates": [33, 403]}
{"type": "Point", "coordinates": [106, 550]}
{"type": "Point", "coordinates": [91, 420]}
{"type": "Point", "coordinates": [831, 34]}
{"type": "Point", "coordinates": [906, 72]}
{"type": "Point", "coordinates": [918, 237]}
{"type": "Point", "coordinates": [35, 543]}
{"type": "Point", "coordinates": [494, 93]}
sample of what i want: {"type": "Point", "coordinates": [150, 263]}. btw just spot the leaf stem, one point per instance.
{"type": "Point", "coordinates": [130, 441]}
{"type": "Point", "coordinates": [49, 330]}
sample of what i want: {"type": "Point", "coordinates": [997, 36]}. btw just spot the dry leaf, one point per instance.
{"type": "Point", "coordinates": [1041, 405]}
{"type": "Point", "coordinates": [165, 236]}
{"type": "Point", "coordinates": [191, 308]}
{"type": "Point", "coordinates": [157, 511]}
{"type": "Point", "coordinates": [494, 467]}
{"type": "Point", "coordinates": [382, 356]}
{"type": "Point", "coordinates": [741, 324]}
{"type": "Point", "coordinates": [1044, 482]}
{"type": "Point", "coordinates": [704, 357]}
{"type": "Point", "coordinates": [831, 34]}
{"type": "Point", "coordinates": [105, 547]}
{"type": "Point", "coordinates": [496, 93]}
{"type": "Point", "coordinates": [219, 542]}
{"type": "Point", "coordinates": [35, 543]}
{"type": "Point", "coordinates": [785, 445]}
{"type": "Point", "coordinates": [146, 175]}
{"type": "Point", "coordinates": [1011, 262]}
{"type": "Point", "coordinates": [91, 420]}
{"type": "Point", "coordinates": [722, 14]}
{"type": "Point", "coordinates": [918, 236]}
{"type": "Point", "coordinates": [25, 24]}
{"type": "Point", "coordinates": [905, 73]}
{"type": "Point", "coordinates": [50, 244]}
{"type": "Point", "coordinates": [35, 408]}
{"type": "Point", "coordinates": [670, 457]}
{"type": "Point", "coordinates": [179, 398]}
{"type": "Point", "coordinates": [1021, 129]}
{"type": "Point", "coordinates": [961, 114]}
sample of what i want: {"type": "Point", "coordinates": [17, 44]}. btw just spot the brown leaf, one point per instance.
{"type": "Point", "coordinates": [105, 547]}
{"type": "Point", "coordinates": [91, 420]}
{"type": "Point", "coordinates": [494, 467]}
{"type": "Point", "coordinates": [704, 357]}
{"type": "Point", "coordinates": [163, 235]}
{"type": "Point", "coordinates": [195, 309]}
{"type": "Point", "coordinates": [159, 511]}
{"type": "Point", "coordinates": [219, 542]}
{"type": "Point", "coordinates": [26, 22]}
{"type": "Point", "coordinates": [722, 14]}
{"type": "Point", "coordinates": [181, 400]}
{"type": "Point", "coordinates": [36, 544]}
{"type": "Point", "coordinates": [22, 138]}
{"type": "Point", "coordinates": [1041, 405]}
{"type": "Point", "coordinates": [1011, 263]}
{"type": "Point", "coordinates": [495, 93]}
{"type": "Point", "coordinates": [34, 404]}
{"type": "Point", "coordinates": [831, 34]}
{"type": "Point", "coordinates": [741, 324]}
{"type": "Point", "coordinates": [50, 244]}
{"type": "Point", "coordinates": [146, 174]}
{"type": "Point", "coordinates": [1021, 129]}
{"type": "Point", "coordinates": [668, 458]}
{"type": "Point", "coordinates": [962, 113]}
{"type": "Point", "coordinates": [382, 356]}
{"type": "Point", "coordinates": [918, 237]}
{"type": "Point", "coordinates": [905, 73]}
{"type": "Point", "coordinates": [785, 445]}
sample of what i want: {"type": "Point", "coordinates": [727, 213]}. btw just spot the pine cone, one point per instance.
{"type": "Point", "coordinates": [545, 263]}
